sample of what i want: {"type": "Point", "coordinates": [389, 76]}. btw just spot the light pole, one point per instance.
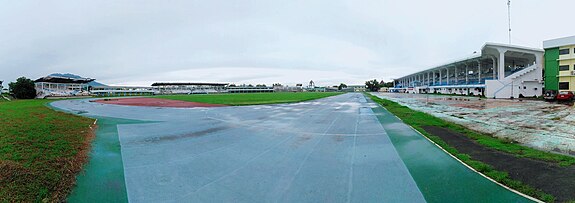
{"type": "Point", "coordinates": [509, 18]}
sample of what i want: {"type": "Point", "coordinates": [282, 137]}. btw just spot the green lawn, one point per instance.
{"type": "Point", "coordinates": [251, 98]}
{"type": "Point", "coordinates": [418, 120]}
{"type": "Point", "coordinates": [41, 150]}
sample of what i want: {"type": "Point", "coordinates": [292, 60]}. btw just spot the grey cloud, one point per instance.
{"type": "Point", "coordinates": [137, 42]}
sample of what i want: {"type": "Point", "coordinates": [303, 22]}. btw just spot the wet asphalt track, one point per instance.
{"type": "Point", "coordinates": [328, 150]}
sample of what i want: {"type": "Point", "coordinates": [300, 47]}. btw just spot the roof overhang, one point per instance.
{"type": "Point", "coordinates": [57, 79]}
{"type": "Point", "coordinates": [187, 83]}
{"type": "Point", "coordinates": [511, 47]}
{"type": "Point", "coordinates": [554, 43]}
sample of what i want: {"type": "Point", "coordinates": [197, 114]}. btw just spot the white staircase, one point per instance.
{"type": "Point", "coordinates": [526, 82]}
{"type": "Point", "coordinates": [522, 72]}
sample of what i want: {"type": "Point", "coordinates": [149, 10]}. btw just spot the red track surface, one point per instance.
{"type": "Point", "coordinates": [155, 102]}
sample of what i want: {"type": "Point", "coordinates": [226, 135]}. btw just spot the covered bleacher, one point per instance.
{"type": "Point", "coordinates": [498, 71]}
{"type": "Point", "coordinates": [115, 91]}
{"type": "Point", "coordinates": [56, 86]}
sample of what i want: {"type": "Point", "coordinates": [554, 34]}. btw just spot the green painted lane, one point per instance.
{"type": "Point", "coordinates": [440, 177]}
{"type": "Point", "coordinates": [103, 177]}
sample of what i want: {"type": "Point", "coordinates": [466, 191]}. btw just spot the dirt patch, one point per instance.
{"type": "Point", "coordinates": [549, 177]}
{"type": "Point", "coordinates": [155, 102]}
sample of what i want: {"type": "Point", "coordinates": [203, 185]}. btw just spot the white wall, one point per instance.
{"type": "Point", "coordinates": [528, 84]}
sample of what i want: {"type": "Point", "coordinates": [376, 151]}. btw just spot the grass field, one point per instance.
{"type": "Point", "coordinates": [418, 120]}
{"type": "Point", "coordinates": [41, 150]}
{"type": "Point", "coordinates": [251, 98]}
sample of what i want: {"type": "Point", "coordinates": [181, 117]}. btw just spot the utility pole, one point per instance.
{"type": "Point", "coordinates": [509, 18]}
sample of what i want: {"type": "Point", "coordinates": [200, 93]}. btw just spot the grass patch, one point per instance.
{"type": "Point", "coordinates": [418, 120]}
{"type": "Point", "coordinates": [41, 150]}
{"type": "Point", "coordinates": [251, 98]}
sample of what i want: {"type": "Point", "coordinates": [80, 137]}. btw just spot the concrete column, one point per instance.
{"type": "Point", "coordinates": [501, 65]}
{"type": "Point", "coordinates": [494, 68]}
{"type": "Point", "coordinates": [466, 75]}
{"type": "Point", "coordinates": [539, 60]}
{"type": "Point", "coordinates": [447, 75]}
{"type": "Point", "coordinates": [479, 69]}
{"type": "Point", "coordinates": [456, 74]}
{"type": "Point", "coordinates": [440, 77]}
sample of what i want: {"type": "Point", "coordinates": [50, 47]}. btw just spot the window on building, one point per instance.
{"type": "Point", "coordinates": [564, 68]}
{"type": "Point", "coordinates": [563, 51]}
{"type": "Point", "coordinates": [564, 85]}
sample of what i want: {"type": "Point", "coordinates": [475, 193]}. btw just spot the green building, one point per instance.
{"type": "Point", "coordinates": [560, 64]}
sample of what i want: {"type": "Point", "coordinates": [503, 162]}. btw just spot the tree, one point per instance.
{"type": "Point", "coordinates": [372, 85]}
{"type": "Point", "coordinates": [388, 84]}
{"type": "Point", "coordinates": [341, 86]}
{"type": "Point", "coordinates": [23, 88]}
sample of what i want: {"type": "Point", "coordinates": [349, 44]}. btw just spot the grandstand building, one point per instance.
{"type": "Point", "coordinates": [57, 86]}
{"type": "Point", "coordinates": [560, 64]}
{"type": "Point", "coordinates": [281, 88]}
{"type": "Point", "coordinates": [189, 88]}
{"type": "Point", "coordinates": [497, 71]}
{"type": "Point", "coordinates": [250, 89]}
{"type": "Point", "coordinates": [119, 91]}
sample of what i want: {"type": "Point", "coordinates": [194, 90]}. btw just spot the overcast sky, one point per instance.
{"type": "Point", "coordinates": [260, 41]}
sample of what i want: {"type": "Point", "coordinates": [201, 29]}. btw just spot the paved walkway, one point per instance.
{"type": "Point", "coordinates": [328, 150]}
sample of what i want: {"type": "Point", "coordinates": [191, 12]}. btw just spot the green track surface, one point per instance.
{"type": "Point", "coordinates": [103, 177]}
{"type": "Point", "coordinates": [439, 176]}
{"type": "Point", "coordinates": [251, 98]}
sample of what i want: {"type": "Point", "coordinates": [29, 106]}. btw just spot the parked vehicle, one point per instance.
{"type": "Point", "coordinates": [565, 96]}
{"type": "Point", "coordinates": [550, 95]}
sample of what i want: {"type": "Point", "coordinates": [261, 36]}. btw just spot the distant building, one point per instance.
{"type": "Point", "coordinates": [249, 89]}
{"type": "Point", "coordinates": [189, 88]}
{"type": "Point", "coordinates": [121, 91]}
{"type": "Point", "coordinates": [316, 89]}
{"type": "Point", "coordinates": [281, 88]}
{"type": "Point", "coordinates": [560, 64]}
{"type": "Point", "coordinates": [355, 88]}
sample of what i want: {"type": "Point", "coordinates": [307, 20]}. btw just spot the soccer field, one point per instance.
{"type": "Point", "coordinates": [251, 98]}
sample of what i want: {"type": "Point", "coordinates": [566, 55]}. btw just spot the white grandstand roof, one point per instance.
{"type": "Point", "coordinates": [492, 44]}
